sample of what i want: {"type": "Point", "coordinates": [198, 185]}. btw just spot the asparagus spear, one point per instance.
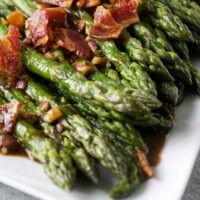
{"type": "Point", "coordinates": [110, 77]}
{"type": "Point", "coordinates": [129, 71]}
{"type": "Point", "coordinates": [86, 165]}
{"type": "Point", "coordinates": [4, 10]}
{"type": "Point", "coordinates": [180, 47]}
{"type": "Point", "coordinates": [83, 161]}
{"type": "Point", "coordinates": [101, 78]}
{"type": "Point", "coordinates": [188, 11]}
{"type": "Point", "coordinates": [168, 92]}
{"type": "Point", "coordinates": [147, 59]}
{"type": "Point", "coordinates": [83, 132]}
{"type": "Point", "coordinates": [183, 50]}
{"type": "Point", "coordinates": [175, 65]}
{"type": "Point", "coordinates": [146, 120]}
{"type": "Point", "coordinates": [33, 86]}
{"type": "Point", "coordinates": [195, 76]}
{"type": "Point", "coordinates": [56, 162]}
{"type": "Point", "coordinates": [123, 131]}
{"type": "Point", "coordinates": [79, 85]}
{"type": "Point", "coordinates": [163, 18]}
{"type": "Point", "coordinates": [181, 91]}
{"type": "Point", "coordinates": [25, 6]}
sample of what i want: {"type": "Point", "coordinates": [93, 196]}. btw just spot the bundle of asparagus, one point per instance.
{"type": "Point", "coordinates": [99, 92]}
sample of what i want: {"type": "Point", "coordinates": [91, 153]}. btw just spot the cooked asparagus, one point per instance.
{"type": "Point", "coordinates": [163, 18]}
{"type": "Point", "coordinates": [175, 65]}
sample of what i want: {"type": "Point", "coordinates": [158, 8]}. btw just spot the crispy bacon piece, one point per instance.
{"type": "Point", "coordinates": [10, 54]}
{"type": "Point", "coordinates": [125, 12]}
{"type": "Point", "coordinates": [105, 27]}
{"type": "Point", "coordinates": [40, 25]}
{"type": "Point", "coordinates": [144, 164]}
{"type": "Point", "coordinates": [61, 3]}
{"type": "Point", "coordinates": [91, 3]}
{"type": "Point", "coordinates": [8, 116]}
{"type": "Point", "coordinates": [16, 18]}
{"type": "Point", "coordinates": [80, 3]}
{"type": "Point", "coordinates": [109, 23]}
{"type": "Point", "coordinates": [87, 3]}
{"type": "Point", "coordinates": [72, 41]}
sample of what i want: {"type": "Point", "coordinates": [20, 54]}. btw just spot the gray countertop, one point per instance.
{"type": "Point", "coordinates": [192, 191]}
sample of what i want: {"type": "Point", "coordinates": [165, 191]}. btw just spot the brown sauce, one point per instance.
{"type": "Point", "coordinates": [10, 146]}
{"type": "Point", "coordinates": [155, 142]}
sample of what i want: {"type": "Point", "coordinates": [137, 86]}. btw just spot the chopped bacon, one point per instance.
{"type": "Point", "coordinates": [105, 27]}
{"type": "Point", "coordinates": [61, 3]}
{"type": "Point", "coordinates": [125, 12]}
{"type": "Point", "coordinates": [91, 3]}
{"type": "Point", "coordinates": [72, 41]}
{"type": "Point", "coordinates": [143, 162]}
{"type": "Point", "coordinates": [80, 3]}
{"type": "Point", "coordinates": [84, 67]}
{"type": "Point", "coordinates": [16, 18]}
{"type": "Point", "coordinates": [40, 5]}
{"type": "Point", "coordinates": [93, 45]}
{"type": "Point", "coordinates": [40, 25]}
{"type": "Point", "coordinates": [8, 116]}
{"type": "Point", "coordinates": [10, 54]}
{"type": "Point", "coordinates": [109, 23]}
{"type": "Point", "coordinates": [77, 24]}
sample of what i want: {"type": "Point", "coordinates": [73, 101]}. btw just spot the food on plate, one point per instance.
{"type": "Point", "coordinates": [91, 83]}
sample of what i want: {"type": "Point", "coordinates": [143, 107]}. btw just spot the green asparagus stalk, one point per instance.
{"type": "Point", "coordinates": [4, 10]}
{"type": "Point", "coordinates": [146, 120]}
{"type": "Point", "coordinates": [180, 47]}
{"type": "Point", "coordinates": [183, 50]}
{"type": "Point", "coordinates": [147, 59]}
{"type": "Point", "coordinates": [195, 76]}
{"type": "Point", "coordinates": [181, 91]}
{"type": "Point", "coordinates": [80, 85]}
{"type": "Point", "coordinates": [187, 11]}
{"type": "Point", "coordinates": [128, 70]}
{"type": "Point", "coordinates": [175, 65]}
{"type": "Point", "coordinates": [196, 38]}
{"type": "Point", "coordinates": [110, 77]}
{"type": "Point", "coordinates": [25, 6]}
{"type": "Point", "coordinates": [163, 18]}
{"type": "Point", "coordinates": [83, 161]}
{"type": "Point", "coordinates": [77, 84]}
{"type": "Point", "coordinates": [168, 92]}
{"type": "Point", "coordinates": [82, 131]}
{"type": "Point", "coordinates": [3, 29]}
{"type": "Point", "coordinates": [136, 139]}
{"type": "Point", "coordinates": [56, 162]}
{"type": "Point", "coordinates": [123, 132]}
{"type": "Point", "coordinates": [101, 78]}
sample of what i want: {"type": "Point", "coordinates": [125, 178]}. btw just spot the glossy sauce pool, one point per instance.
{"type": "Point", "coordinates": [155, 142]}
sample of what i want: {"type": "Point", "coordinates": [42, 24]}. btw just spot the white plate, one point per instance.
{"type": "Point", "coordinates": [171, 176]}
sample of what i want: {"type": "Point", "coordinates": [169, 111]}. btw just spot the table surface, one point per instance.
{"type": "Point", "coordinates": [192, 191]}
